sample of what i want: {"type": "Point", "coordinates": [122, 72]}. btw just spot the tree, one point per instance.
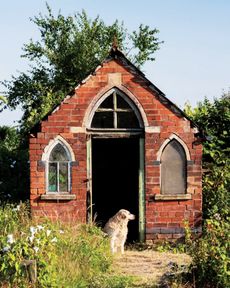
{"type": "Point", "coordinates": [14, 172]}
{"type": "Point", "coordinates": [68, 50]}
{"type": "Point", "coordinates": [210, 253]}
{"type": "Point", "coordinates": [2, 102]}
{"type": "Point", "coordinates": [214, 119]}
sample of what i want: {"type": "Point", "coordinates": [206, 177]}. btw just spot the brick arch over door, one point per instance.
{"type": "Point", "coordinates": [124, 93]}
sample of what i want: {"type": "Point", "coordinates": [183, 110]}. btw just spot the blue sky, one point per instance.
{"type": "Point", "coordinates": [193, 62]}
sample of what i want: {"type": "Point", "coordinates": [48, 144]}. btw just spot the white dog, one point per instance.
{"type": "Point", "coordinates": [117, 229]}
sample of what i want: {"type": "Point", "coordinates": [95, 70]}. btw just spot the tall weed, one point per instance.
{"type": "Point", "coordinates": [211, 257]}
{"type": "Point", "coordinates": [66, 256]}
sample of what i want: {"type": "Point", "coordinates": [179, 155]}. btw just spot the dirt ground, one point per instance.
{"type": "Point", "coordinates": [149, 267]}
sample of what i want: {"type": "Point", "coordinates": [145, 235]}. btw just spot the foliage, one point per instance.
{"type": "Point", "coordinates": [85, 248]}
{"type": "Point", "coordinates": [19, 241]}
{"type": "Point", "coordinates": [14, 168]}
{"type": "Point", "coordinates": [2, 102]}
{"type": "Point", "coordinates": [68, 50]}
{"type": "Point", "coordinates": [87, 259]}
{"type": "Point", "coordinates": [214, 119]}
{"type": "Point", "coordinates": [210, 265]}
{"type": "Point", "coordinates": [66, 256]}
{"type": "Point", "coordinates": [216, 188]}
{"type": "Point", "coordinates": [211, 259]}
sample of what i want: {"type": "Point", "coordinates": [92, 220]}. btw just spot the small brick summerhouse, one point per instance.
{"type": "Point", "coordinates": [118, 142]}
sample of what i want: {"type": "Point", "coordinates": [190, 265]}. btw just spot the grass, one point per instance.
{"type": "Point", "coordinates": [149, 267]}
{"type": "Point", "coordinates": [79, 257]}
{"type": "Point", "coordinates": [67, 255]}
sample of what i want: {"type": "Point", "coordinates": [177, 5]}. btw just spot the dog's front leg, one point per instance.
{"type": "Point", "coordinates": [112, 245]}
{"type": "Point", "coordinates": [123, 245]}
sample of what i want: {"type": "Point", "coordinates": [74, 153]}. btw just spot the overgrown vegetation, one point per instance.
{"type": "Point", "coordinates": [210, 252]}
{"type": "Point", "coordinates": [14, 165]}
{"type": "Point", "coordinates": [211, 259]}
{"type": "Point", "coordinates": [70, 256]}
{"type": "Point", "coordinates": [211, 262]}
{"type": "Point", "coordinates": [214, 119]}
{"type": "Point", "coordinates": [69, 49]}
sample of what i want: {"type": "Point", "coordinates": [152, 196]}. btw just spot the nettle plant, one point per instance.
{"type": "Point", "coordinates": [37, 243]}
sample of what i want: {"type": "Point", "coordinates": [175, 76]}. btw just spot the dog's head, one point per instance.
{"type": "Point", "coordinates": [125, 215]}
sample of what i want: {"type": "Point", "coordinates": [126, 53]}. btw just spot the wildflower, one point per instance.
{"type": "Point", "coordinates": [10, 238]}
{"type": "Point", "coordinates": [61, 231]}
{"type": "Point", "coordinates": [54, 240]}
{"type": "Point", "coordinates": [36, 249]}
{"type": "Point", "coordinates": [31, 238]}
{"type": "Point", "coordinates": [16, 208]}
{"type": "Point", "coordinates": [40, 227]}
{"type": "Point", "coordinates": [6, 249]}
{"type": "Point", "coordinates": [217, 216]}
{"type": "Point", "coordinates": [33, 230]}
{"type": "Point", "coordinates": [48, 232]}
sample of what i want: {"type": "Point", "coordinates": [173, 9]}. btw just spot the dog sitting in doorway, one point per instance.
{"type": "Point", "coordinates": [117, 229]}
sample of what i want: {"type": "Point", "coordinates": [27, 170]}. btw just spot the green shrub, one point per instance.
{"type": "Point", "coordinates": [66, 256]}
{"type": "Point", "coordinates": [19, 242]}
{"type": "Point", "coordinates": [211, 261]}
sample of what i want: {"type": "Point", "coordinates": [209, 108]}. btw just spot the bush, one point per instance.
{"type": "Point", "coordinates": [20, 242]}
{"type": "Point", "coordinates": [14, 166]}
{"type": "Point", "coordinates": [211, 262]}
{"type": "Point", "coordinates": [216, 187]}
{"type": "Point", "coordinates": [70, 256]}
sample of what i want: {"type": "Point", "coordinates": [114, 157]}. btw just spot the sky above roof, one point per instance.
{"type": "Point", "coordinates": [193, 62]}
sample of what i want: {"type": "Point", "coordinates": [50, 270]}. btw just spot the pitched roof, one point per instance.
{"type": "Point", "coordinates": [116, 54]}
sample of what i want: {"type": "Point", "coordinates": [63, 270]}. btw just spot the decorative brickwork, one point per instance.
{"type": "Point", "coordinates": [161, 119]}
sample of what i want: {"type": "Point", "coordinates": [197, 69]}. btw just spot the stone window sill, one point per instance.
{"type": "Point", "coordinates": [57, 196]}
{"type": "Point", "coordinates": [161, 197]}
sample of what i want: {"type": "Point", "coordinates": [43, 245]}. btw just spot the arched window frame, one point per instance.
{"type": "Point", "coordinates": [46, 159]}
{"type": "Point", "coordinates": [134, 105]}
{"type": "Point", "coordinates": [166, 197]}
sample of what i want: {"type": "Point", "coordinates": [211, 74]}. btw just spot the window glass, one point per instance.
{"type": "Point", "coordinates": [63, 177]}
{"type": "Point", "coordinates": [108, 102]}
{"type": "Point", "coordinates": [103, 120]}
{"type": "Point", "coordinates": [121, 103]}
{"type": "Point", "coordinates": [115, 112]}
{"type": "Point", "coordinates": [52, 177]}
{"type": "Point", "coordinates": [58, 170]}
{"type": "Point", "coordinates": [173, 169]}
{"type": "Point", "coordinates": [58, 153]}
{"type": "Point", "coordinates": [127, 120]}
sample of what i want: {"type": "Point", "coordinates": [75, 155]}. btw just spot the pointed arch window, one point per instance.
{"type": "Point", "coordinates": [173, 169]}
{"type": "Point", "coordinates": [115, 112]}
{"type": "Point", "coordinates": [59, 169]}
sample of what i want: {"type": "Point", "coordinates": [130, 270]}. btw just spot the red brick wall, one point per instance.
{"type": "Point", "coordinates": [163, 218]}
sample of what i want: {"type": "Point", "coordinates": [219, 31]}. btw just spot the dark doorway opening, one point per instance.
{"type": "Point", "coordinates": [115, 185]}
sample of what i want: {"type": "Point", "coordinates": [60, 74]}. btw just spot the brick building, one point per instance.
{"type": "Point", "coordinates": [118, 142]}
